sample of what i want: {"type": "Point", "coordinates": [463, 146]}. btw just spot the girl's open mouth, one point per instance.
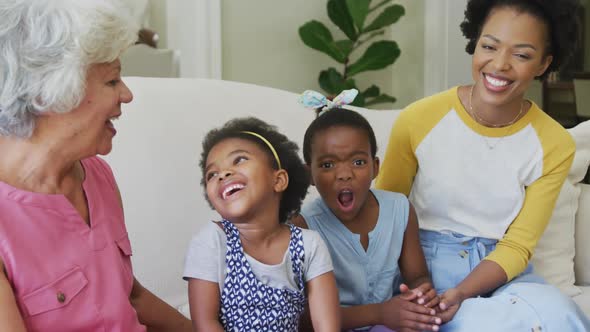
{"type": "Point", "coordinates": [346, 199]}
{"type": "Point", "coordinates": [230, 190]}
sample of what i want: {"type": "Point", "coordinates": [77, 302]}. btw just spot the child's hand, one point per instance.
{"type": "Point", "coordinates": [425, 294]}
{"type": "Point", "coordinates": [402, 315]}
{"type": "Point", "coordinates": [449, 304]}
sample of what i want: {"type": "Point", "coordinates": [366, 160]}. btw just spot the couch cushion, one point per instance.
{"type": "Point", "coordinates": [582, 259]}
{"type": "Point", "coordinates": [554, 255]}
{"type": "Point", "coordinates": [583, 300]}
{"type": "Point", "coordinates": [581, 134]}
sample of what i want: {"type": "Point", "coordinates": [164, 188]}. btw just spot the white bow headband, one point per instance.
{"type": "Point", "coordinates": [315, 100]}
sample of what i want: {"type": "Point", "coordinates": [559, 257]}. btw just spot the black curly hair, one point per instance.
{"type": "Point", "coordinates": [287, 151]}
{"type": "Point", "coordinates": [337, 117]}
{"type": "Point", "coordinates": [560, 16]}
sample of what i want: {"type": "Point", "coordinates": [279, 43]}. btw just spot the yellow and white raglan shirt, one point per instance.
{"type": "Point", "coordinates": [497, 183]}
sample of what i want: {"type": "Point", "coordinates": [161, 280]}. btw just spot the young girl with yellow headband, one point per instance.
{"type": "Point", "coordinates": [251, 271]}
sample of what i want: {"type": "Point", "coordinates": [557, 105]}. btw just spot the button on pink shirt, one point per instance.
{"type": "Point", "coordinates": [66, 275]}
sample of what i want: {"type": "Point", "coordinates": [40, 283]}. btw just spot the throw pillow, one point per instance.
{"type": "Point", "coordinates": [554, 255]}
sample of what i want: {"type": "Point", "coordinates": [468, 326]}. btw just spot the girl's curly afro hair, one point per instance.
{"type": "Point", "coordinates": [560, 16]}
{"type": "Point", "coordinates": [286, 149]}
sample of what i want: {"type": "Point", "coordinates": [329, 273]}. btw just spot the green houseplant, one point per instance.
{"type": "Point", "coordinates": [350, 17]}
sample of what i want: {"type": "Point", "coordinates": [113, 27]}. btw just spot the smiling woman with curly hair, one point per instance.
{"type": "Point", "coordinates": [483, 167]}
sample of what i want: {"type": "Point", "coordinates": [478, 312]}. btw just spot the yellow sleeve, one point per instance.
{"type": "Point", "coordinates": [399, 164]}
{"type": "Point", "coordinates": [516, 248]}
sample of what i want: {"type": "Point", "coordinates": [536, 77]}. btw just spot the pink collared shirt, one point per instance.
{"type": "Point", "coordinates": [66, 275]}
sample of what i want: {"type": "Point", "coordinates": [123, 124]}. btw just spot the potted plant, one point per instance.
{"type": "Point", "coordinates": [350, 16]}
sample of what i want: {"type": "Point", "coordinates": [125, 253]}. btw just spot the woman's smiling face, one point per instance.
{"type": "Point", "coordinates": [510, 53]}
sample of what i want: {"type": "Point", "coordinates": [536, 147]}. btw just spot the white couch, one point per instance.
{"type": "Point", "coordinates": [155, 159]}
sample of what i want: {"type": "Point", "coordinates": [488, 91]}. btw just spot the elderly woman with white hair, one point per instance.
{"type": "Point", "coordinates": [64, 250]}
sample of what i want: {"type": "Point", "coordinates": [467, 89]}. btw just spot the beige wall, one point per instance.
{"type": "Point", "coordinates": [158, 20]}
{"type": "Point", "coordinates": [261, 45]}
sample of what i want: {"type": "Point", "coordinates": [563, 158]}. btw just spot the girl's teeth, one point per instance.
{"type": "Point", "coordinates": [226, 192]}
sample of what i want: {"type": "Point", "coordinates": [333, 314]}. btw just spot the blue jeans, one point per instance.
{"type": "Point", "coordinates": [526, 303]}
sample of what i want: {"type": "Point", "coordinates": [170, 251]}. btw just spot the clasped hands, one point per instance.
{"type": "Point", "coordinates": [420, 308]}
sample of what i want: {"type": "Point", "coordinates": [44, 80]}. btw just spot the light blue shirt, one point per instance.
{"type": "Point", "coordinates": [371, 276]}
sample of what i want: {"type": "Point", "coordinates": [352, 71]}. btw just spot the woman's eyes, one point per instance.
{"type": "Point", "coordinates": [523, 56]}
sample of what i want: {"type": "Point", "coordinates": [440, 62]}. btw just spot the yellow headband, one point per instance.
{"type": "Point", "coordinates": [272, 149]}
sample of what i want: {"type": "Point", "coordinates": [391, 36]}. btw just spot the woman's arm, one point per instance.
{"type": "Point", "coordinates": [514, 250]}
{"type": "Point", "coordinates": [9, 315]}
{"type": "Point", "coordinates": [400, 164]}
{"type": "Point", "coordinates": [154, 313]}
{"type": "Point", "coordinates": [204, 301]}
{"type": "Point", "coordinates": [324, 307]}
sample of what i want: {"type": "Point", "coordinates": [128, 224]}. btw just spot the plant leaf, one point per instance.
{"type": "Point", "coordinates": [349, 84]}
{"type": "Point", "coordinates": [344, 46]}
{"type": "Point", "coordinates": [339, 15]}
{"type": "Point", "coordinates": [379, 55]}
{"type": "Point", "coordinates": [358, 9]}
{"type": "Point", "coordinates": [389, 16]}
{"type": "Point", "coordinates": [359, 101]}
{"type": "Point", "coordinates": [333, 83]}
{"type": "Point", "coordinates": [372, 91]}
{"type": "Point", "coordinates": [315, 35]}
{"type": "Point", "coordinates": [383, 98]}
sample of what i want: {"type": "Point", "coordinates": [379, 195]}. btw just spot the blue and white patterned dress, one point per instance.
{"type": "Point", "coordinates": [249, 305]}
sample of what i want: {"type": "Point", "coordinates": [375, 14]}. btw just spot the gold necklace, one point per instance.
{"type": "Point", "coordinates": [489, 124]}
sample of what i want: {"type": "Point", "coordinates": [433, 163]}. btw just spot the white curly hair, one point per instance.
{"type": "Point", "coordinates": [46, 48]}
